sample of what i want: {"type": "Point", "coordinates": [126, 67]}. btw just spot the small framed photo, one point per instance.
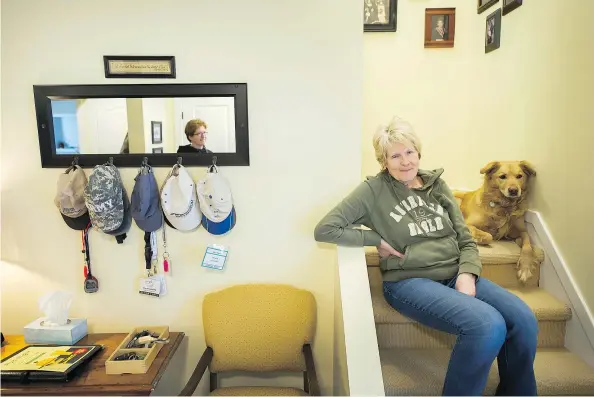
{"type": "Point", "coordinates": [493, 31]}
{"type": "Point", "coordinates": [158, 150]}
{"type": "Point", "coordinates": [483, 5]}
{"type": "Point", "coordinates": [141, 66]}
{"type": "Point", "coordinates": [440, 27]}
{"type": "Point", "coordinates": [510, 5]}
{"type": "Point", "coordinates": [157, 131]}
{"type": "Point", "coordinates": [379, 15]}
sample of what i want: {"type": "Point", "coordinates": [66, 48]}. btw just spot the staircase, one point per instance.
{"type": "Point", "coordinates": [414, 358]}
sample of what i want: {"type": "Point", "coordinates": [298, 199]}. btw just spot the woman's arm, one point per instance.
{"type": "Point", "coordinates": [469, 256]}
{"type": "Point", "coordinates": [336, 226]}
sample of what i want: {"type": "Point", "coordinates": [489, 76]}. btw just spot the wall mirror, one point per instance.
{"type": "Point", "coordinates": [124, 123]}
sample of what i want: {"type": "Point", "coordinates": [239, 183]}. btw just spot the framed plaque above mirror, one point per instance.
{"type": "Point", "coordinates": [126, 123]}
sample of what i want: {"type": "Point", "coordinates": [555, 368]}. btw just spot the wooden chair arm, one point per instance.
{"type": "Point", "coordinates": [198, 373]}
{"type": "Point", "coordinates": [310, 367]}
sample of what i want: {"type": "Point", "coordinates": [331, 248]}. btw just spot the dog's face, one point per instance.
{"type": "Point", "coordinates": [509, 177]}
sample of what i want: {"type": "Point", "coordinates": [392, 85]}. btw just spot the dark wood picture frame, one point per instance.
{"type": "Point", "coordinates": [158, 149]}
{"type": "Point", "coordinates": [167, 66]}
{"type": "Point", "coordinates": [160, 138]}
{"type": "Point", "coordinates": [391, 13]}
{"type": "Point", "coordinates": [45, 125]}
{"type": "Point", "coordinates": [450, 13]}
{"type": "Point", "coordinates": [482, 8]}
{"type": "Point", "coordinates": [495, 43]}
{"type": "Point", "coordinates": [510, 5]}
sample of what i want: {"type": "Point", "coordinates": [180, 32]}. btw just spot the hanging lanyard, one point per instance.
{"type": "Point", "coordinates": [166, 268]}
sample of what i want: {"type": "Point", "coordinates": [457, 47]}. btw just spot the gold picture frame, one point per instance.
{"type": "Point", "coordinates": [129, 66]}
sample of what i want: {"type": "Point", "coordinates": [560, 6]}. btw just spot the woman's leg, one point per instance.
{"type": "Point", "coordinates": [480, 328]}
{"type": "Point", "coordinates": [516, 359]}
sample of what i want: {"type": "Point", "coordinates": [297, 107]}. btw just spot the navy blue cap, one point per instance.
{"type": "Point", "coordinates": [146, 208]}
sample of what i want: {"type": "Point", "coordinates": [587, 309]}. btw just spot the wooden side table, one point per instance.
{"type": "Point", "coordinates": [93, 380]}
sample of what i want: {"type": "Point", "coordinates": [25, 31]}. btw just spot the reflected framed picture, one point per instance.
{"type": "Point", "coordinates": [440, 27]}
{"type": "Point", "coordinates": [158, 150]}
{"type": "Point", "coordinates": [510, 5]}
{"type": "Point", "coordinates": [493, 31]}
{"type": "Point", "coordinates": [484, 5]}
{"type": "Point", "coordinates": [379, 15]}
{"type": "Point", "coordinates": [157, 131]}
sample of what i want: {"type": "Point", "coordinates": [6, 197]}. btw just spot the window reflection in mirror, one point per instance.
{"type": "Point", "coordinates": [143, 125]}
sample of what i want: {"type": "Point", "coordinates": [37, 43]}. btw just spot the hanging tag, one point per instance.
{"type": "Point", "coordinates": [215, 257]}
{"type": "Point", "coordinates": [150, 286]}
{"type": "Point", "coordinates": [161, 279]}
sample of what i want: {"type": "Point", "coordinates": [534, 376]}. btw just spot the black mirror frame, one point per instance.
{"type": "Point", "coordinates": [45, 126]}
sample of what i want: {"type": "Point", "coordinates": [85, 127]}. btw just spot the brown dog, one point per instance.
{"type": "Point", "coordinates": [496, 210]}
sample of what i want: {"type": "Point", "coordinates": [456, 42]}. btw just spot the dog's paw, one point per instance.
{"type": "Point", "coordinates": [483, 238]}
{"type": "Point", "coordinates": [525, 268]}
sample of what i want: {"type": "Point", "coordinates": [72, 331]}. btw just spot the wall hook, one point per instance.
{"type": "Point", "coordinates": [179, 161]}
{"type": "Point", "coordinates": [75, 161]}
{"type": "Point", "coordinates": [145, 161]}
{"type": "Point", "coordinates": [111, 161]}
{"type": "Point", "coordinates": [214, 160]}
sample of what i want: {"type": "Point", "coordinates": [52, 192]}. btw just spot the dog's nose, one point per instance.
{"type": "Point", "coordinates": [513, 191]}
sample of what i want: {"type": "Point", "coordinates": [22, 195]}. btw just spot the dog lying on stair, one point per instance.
{"type": "Point", "coordinates": [496, 210]}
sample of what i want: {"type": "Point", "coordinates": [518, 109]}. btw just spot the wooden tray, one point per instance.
{"type": "Point", "coordinates": [136, 366]}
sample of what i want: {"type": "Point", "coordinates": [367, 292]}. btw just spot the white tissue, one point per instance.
{"type": "Point", "coordinates": [55, 305]}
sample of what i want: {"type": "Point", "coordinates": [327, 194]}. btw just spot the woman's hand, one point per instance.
{"type": "Point", "coordinates": [466, 283]}
{"type": "Point", "coordinates": [386, 249]}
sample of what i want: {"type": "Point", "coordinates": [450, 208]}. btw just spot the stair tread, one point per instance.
{"type": "Point", "coordinates": [410, 372]}
{"type": "Point", "coordinates": [544, 305]}
{"type": "Point", "coordinates": [497, 253]}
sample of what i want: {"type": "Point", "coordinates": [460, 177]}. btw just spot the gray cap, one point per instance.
{"type": "Point", "coordinates": [146, 209]}
{"type": "Point", "coordinates": [120, 232]}
{"type": "Point", "coordinates": [103, 198]}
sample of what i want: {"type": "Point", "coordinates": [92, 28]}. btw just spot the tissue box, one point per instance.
{"type": "Point", "coordinates": [67, 334]}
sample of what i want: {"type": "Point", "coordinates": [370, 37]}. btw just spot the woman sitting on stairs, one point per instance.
{"type": "Point", "coordinates": [431, 268]}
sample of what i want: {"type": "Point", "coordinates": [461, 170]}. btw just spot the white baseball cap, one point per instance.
{"type": "Point", "coordinates": [216, 203]}
{"type": "Point", "coordinates": [179, 201]}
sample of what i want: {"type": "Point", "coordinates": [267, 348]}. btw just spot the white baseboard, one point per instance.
{"type": "Point", "coordinates": [557, 279]}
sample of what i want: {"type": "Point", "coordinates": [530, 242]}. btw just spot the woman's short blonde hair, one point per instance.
{"type": "Point", "coordinates": [397, 131]}
{"type": "Point", "coordinates": [193, 125]}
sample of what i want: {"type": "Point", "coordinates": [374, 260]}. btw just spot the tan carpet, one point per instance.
{"type": "Point", "coordinates": [416, 372]}
{"type": "Point", "coordinates": [415, 335]}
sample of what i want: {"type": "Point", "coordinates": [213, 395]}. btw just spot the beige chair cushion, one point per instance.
{"type": "Point", "coordinates": [259, 327]}
{"type": "Point", "coordinates": [258, 391]}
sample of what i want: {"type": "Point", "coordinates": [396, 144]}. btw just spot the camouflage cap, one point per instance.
{"type": "Point", "coordinates": [103, 197]}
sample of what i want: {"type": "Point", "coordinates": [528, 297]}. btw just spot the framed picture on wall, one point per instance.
{"type": "Point", "coordinates": [157, 131]}
{"type": "Point", "coordinates": [493, 31]}
{"type": "Point", "coordinates": [379, 15]}
{"type": "Point", "coordinates": [483, 5]}
{"type": "Point", "coordinates": [158, 150]}
{"type": "Point", "coordinates": [510, 5]}
{"type": "Point", "coordinates": [440, 27]}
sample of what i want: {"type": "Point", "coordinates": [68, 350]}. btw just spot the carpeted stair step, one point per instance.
{"type": "Point", "coordinates": [421, 372]}
{"type": "Point", "coordinates": [499, 263]}
{"type": "Point", "coordinates": [395, 330]}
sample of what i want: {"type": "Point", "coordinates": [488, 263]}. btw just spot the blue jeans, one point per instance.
{"type": "Point", "coordinates": [495, 323]}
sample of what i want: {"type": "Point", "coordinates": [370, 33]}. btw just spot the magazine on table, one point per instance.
{"type": "Point", "coordinates": [46, 362]}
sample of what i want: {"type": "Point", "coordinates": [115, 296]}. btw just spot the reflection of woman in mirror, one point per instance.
{"type": "Point", "coordinates": [439, 33]}
{"type": "Point", "coordinates": [196, 134]}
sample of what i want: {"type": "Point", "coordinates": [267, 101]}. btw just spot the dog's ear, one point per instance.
{"type": "Point", "coordinates": [490, 168]}
{"type": "Point", "coordinates": [527, 168]}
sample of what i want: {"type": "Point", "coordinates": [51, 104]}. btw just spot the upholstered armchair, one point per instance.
{"type": "Point", "coordinates": [258, 328]}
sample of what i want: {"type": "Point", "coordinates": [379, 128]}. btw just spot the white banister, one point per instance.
{"type": "Point", "coordinates": [360, 339]}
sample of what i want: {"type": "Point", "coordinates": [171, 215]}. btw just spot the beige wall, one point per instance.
{"type": "Point", "coordinates": [530, 99]}
{"type": "Point", "coordinates": [299, 117]}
